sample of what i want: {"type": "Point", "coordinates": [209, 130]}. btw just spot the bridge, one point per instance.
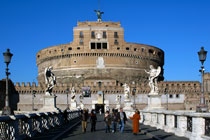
{"type": "Point", "coordinates": [66, 125]}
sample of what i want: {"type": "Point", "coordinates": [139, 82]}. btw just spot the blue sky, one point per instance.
{"type": "Point", "coordinates": [179, 27]}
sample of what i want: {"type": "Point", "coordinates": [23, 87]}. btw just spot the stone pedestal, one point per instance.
{"type": "Point", "coordinates": [154, 103]}
{"type": "Point", "coordinates": [73, 106]}
{"type": "Point", "coordinates": [118, 106]}
{"type": "Point", "coordinates": [49, 104]}
{"type": "Point", "coordinates": [128, 109]}
{"type": "Point", "coordinates": [82, 106]}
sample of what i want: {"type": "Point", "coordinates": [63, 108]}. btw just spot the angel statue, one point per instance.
{"type": "Point", "coordinates": [118, 99]}
{"type": "Point", "coordinates": [153, 74]}
{"type": "Point", "coordinates": [126, 91]}
{"type": "Point", "coordinates": [98, 13]}
{"type": "Point", "coordinates": [73, 95]}
{"type": "Point", "coordinates": [50, 80]}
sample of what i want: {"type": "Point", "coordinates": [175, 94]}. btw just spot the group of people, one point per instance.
{"type": "Point", "coordinates": [112, 120]}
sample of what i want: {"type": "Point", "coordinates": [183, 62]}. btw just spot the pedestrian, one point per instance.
{"type": "Point", "coordinates": [84, 117]}
{"type": "Point", "coordinates": [122, 118]}
{"type": "Point", "coordinates": [107, 119]}
{"type": "Point", "coordinates": [135, 118]}
{"type": "Point", "coordinates": [114, 120]}
{"type": "Point", "coordinates": [93, 119]}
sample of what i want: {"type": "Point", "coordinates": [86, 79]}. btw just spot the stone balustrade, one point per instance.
{"type": "Point", "coordinates": [25, 126]}
{"type": "Point", "coordinates": [195, 126]}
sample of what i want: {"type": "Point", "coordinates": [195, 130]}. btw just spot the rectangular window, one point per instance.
{"type": "Point", "coordinates": [93, 45]}
{"type": "Point", "coordinates": [116, 42]}
{"type": "Point", "coordinates": [104, 45]}
{"type": "Point", "coordinates": [115, 35]}
{"type": "Point", "coordinates": [98, 45]}
{"type": "Point", "coordinates": [92, 34]}
{"type": "Point", "coordinates": [104, 34]}
{"type": "Point", "coordinates": [81, 35]}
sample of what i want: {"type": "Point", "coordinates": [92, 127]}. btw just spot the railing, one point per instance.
{"type": "Point", "coordinates": [195, 126]}
{"type": "Point", "coordinates": [20, 127]}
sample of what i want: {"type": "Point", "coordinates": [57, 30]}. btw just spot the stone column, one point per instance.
{"type": "Point", "coordinates": [181, 126]}
{"type": "Point", "coordinates": [160, 123]}
{"type": "Point", "coordinates": [198, 128]}
{"type": "Point", "coordinates": [170, 123]}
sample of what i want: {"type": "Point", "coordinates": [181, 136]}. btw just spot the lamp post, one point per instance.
{"type": "Point", "coordinates": [134, 94]}
{"type": "Point", "coordinates": [33, 95]}
{"type": "Point", "coordinates": [202, 107]}
{"type": "Point", "coordinates": [67, 99]}
{"type": "Point", "coordinates": [7, 59]}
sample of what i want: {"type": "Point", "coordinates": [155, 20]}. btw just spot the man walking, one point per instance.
{"type": "Point", "coordinates": [122, 118]}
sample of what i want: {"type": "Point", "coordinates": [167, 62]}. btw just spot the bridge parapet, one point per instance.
{"type": "Point", "coordinates": [28, 125]}
{"type": "Point", "coordinates": [195, 126]}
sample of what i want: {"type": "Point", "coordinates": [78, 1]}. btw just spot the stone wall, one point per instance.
{"type": "Point", "coordinates": [179, 95]}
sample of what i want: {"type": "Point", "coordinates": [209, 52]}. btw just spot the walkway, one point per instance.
{"type": "Point", "coordinates": [76, 133]}
{"type": "Point", "coordinates": [73, 131]}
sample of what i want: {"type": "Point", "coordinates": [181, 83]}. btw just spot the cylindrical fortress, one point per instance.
{"type": "Point", "coordinates": [99, 53]}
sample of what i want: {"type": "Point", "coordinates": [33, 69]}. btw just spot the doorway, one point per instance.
{"type": "Point", "coordinates": [98, 107]}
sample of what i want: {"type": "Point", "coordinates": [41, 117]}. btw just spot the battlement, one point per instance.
{"type": "Point", "coordinates": [95, 23]}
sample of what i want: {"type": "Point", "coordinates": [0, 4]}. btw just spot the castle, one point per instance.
{"type": "Point", "coordinates": [100, 60]}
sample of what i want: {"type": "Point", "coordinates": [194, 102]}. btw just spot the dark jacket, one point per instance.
{"type": "Point", "coordinates": [84, 116]}
{"type": "Point", "coordinates": [125, 117]}
{"type": "Point", "coordinates": [93, 118]}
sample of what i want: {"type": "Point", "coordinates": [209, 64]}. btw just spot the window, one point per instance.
{"type": "Point", "coordinates": [177, 95]}
{"type": "Point", "coordinates": [127, 48]}
{"type": "Point", "coordinates": [104, 34]}
{"type": "Point", "coordinates": [78, 48]}
{"type": "Point", "coordinates": [142, 49]}
{"type": "Point", "coordinates": [151, 51]}
{"type": "Point", "coordinates": [75, 61]}
{"type": "Point", "coordinates": [98, 45]}
{"type": "Point", "coordinates": [81, 42]}
{"type": "Point", "coordinates": [115, 35]}
{"type": "Point", "coordinates": [116, 42]}
{"type": "Point", "coordinates": [135, 49]}
{"type": "Point", "coordinates": [81, 35]}
{"type": "Point", "coordinates": [170, 96]}
{"type": "Point", "coordinates": [118, 48]}
{"type": "Point", "coordinates": [62, 50]}
{"type": "Point", "coordinates": [92, 34]}
{"type": "Point", "coordinates": [104, 45]}
{"type": "Point", "coordinates": [159, 54]}
{"type": "Point", "coordinates": [93, 46]}
{"type": "Point", "coordinates": [70, 48]}
{"type": "Point", "coordinates": [38, 56]}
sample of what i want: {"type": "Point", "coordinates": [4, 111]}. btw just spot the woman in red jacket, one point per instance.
{"type": "Point", "coordinates": [135, 118]}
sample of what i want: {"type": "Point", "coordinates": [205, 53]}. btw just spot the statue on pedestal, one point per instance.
{"type": "Point", "coordinates": [73, 95]}
{"type": "Point", "coordinates": [99, 13]}
{"type": "Point", "coordinates": [126, 92]}
{"type": "Point", "coordinates": [153, 74]}
{"type": "Point", "coordinates": [118, 99]}
{"type": "Point", "coordinates": [50, 80]}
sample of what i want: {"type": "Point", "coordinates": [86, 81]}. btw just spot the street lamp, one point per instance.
{"type": "Point", "coordinates": [33, 95]}
{"type": "Point", "coordinates": [202, 107]}
{"type": "Point", "coordinates": [67, 100]}
{"type": "Point", "coordinates": [134, 94]}
{"type": "Point", "coordinates": [7, 59]}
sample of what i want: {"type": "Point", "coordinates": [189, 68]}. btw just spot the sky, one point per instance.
{"type": "Point", "coordinates": [178, 27]}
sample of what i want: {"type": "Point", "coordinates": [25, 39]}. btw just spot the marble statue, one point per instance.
{"type": "Point", "coordinates": [73, 95]}
{"type": "Point", "coordinates": [118, 99]}
{"type": "Point", "coordinates": [126, 91]}
{"type": "Point", "coordinates": [153, 74]}
{"type": "Point", "coordinates": [50, 80]}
